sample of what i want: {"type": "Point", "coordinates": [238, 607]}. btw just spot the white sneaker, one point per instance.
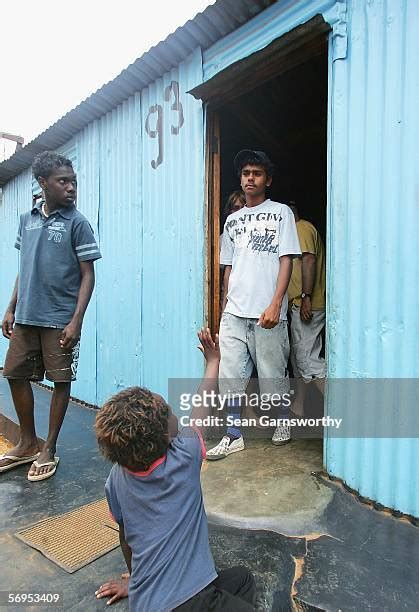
{"type": "Point", "coordinates": [225, 447]}
{"type": "Point", "coordinates": [282, 435]}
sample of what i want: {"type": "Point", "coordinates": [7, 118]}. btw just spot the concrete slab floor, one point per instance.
{"type": "Point", "coordinates": [267, 487]}
{"type": "Point", "coordinates": [327, 552]}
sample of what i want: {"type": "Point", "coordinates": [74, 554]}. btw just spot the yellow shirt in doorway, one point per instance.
{"type": "Point", "coordinates": [310, 242]}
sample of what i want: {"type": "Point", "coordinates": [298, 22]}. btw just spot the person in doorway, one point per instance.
{"type": "Point", "coordinates": [154, 494]}
{"type": "Point", "coordinates": [306, 298]}
{"type": "Point", "coordinates": [235, 201]}
{"type": "Point", "coordinates": [259, 243]}
{"type": "Point", "coordinates": [45, 315]}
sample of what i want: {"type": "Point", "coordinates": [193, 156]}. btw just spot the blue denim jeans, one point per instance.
{"type": "Point", "coordinates": [242, 344]}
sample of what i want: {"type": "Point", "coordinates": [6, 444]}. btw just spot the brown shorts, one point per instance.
{"type": "Point", "coordinates": [35, 352]}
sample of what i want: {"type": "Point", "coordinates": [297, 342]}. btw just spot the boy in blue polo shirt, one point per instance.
{"type": "Point", "coordinates": [44, 318]}
{"type": "Point", "coordinates": [154, 494]}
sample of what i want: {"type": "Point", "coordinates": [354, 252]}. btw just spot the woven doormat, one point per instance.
{"type": "Point", "coordinates": [76, 538]}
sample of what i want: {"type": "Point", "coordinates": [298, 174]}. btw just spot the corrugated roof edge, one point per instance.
{"type": "Point", "coordinates": [206, 28]}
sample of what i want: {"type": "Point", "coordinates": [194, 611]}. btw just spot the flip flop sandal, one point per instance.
{"type": "Point", "coordinates": [16, 461]}
{"type": "Point", "coordinates": [37, 477]}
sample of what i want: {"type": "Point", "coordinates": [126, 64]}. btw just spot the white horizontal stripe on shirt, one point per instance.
{"type": "Point", "coordinates": [86, 246]}
{"type": "Point", "coordinates": [87, 253]}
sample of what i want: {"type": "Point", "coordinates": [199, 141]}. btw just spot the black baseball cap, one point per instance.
{"type": "Point", "coordinates": [246, 155]}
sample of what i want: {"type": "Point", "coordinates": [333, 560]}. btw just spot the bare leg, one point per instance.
{"type": "Point", "coordinates": [59, 404]}
{"type": "Point", "coordinates": [23, 401]}
{"type": "Point", "coordinates": [299, 397]}
{"type": "Point", "coordinates": [319, 383]}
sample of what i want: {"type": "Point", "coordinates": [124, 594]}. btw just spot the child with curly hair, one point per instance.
{"type": "Point", "coordinates": [154, 494]}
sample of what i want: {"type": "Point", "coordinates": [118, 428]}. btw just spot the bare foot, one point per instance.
{"type": "Point", "coordinates": [45, 456]}
{"type": "Point", "coordinates": [21, 450]}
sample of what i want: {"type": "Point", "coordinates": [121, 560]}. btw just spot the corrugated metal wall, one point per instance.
{"type": "Point", "coordinates": [173, 227]}
{"type": "Point", "coordinates": [118, 294]}
{"type": "Point", "coordinates": [149, 295]}
{"type": "Point", "coordinates": [141, 322]}
{"type": "Point", "coordinates": [86, 151]}
{"type": "Point", "coordinates": [373, 219]}
{"type": "Point", "coordinates": [269, 25]}
{"type": "Point", "coordinates": [17, 198]}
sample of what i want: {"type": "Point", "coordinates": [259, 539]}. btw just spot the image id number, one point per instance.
{"type": "Point", "coordinates": [19, 598]}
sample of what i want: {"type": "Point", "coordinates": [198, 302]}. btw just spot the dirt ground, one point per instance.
{"type": "Point", "coordinates": [5, 445]}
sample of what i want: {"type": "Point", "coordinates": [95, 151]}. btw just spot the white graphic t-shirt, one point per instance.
{"type": "Point", "coordinates": [254, 239]}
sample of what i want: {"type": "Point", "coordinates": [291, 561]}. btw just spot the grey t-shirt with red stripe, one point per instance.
{"type": "Point", "coordinates": [165, 525]}
{"type": "Point", "coordinates": [51, 249]}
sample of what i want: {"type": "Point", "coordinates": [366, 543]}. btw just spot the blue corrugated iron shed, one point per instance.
{"type": "Point", "coordinates": [134, 154]}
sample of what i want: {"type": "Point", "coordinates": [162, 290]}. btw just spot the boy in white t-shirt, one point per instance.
{"type": "Point", "coordinates": [259, 243]}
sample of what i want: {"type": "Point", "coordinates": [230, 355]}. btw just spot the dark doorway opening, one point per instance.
{"type": "Point", "coordinates": [287, 118]}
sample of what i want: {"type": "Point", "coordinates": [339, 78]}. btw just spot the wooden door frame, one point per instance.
{"type": "Point", "coordinates": [213, 198]}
